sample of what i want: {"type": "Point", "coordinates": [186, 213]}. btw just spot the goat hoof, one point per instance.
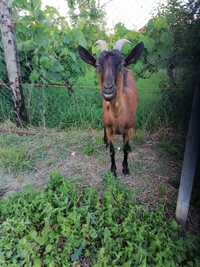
{"type": "Point", "coordinates": [125, 171]}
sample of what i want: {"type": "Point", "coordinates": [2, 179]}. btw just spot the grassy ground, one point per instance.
{"type": "Point", "coordinates": [81, 154]}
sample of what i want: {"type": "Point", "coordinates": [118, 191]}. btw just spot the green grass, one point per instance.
{"type": "Point", "coordinates": [53, 107]}
{"type": "Point", "coordinates": [15, 160]}
{"type": "Point", "coordinates": [139, 136]}
{"type": "Point", "coordinates": [66, 226]}
{"type": "Point", "coordinates": [150, 112]}
{"type": "Point", "coordinates": [13, 156]}
{"type": "Point", "coordinates": [6, 110]}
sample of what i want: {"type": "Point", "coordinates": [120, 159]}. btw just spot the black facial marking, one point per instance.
{"type": "Point", "coordinates": [125, 77]}
{"type": "Point", "coordinates": [109, 64]}
{"type": "Point", "coordinates": [113, 59]}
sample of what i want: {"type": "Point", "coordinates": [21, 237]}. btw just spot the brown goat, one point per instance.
{"type": "Point", "coordinates": [119, 94]}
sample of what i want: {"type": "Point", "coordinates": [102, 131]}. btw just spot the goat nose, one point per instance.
{"type": "Point", "coordinates": [108, 86]}
{"type": "Point", "coordinates": [108, 90]}
{"type": "Point", "coordinates": [109, 83]}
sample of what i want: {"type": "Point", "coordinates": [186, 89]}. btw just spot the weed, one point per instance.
{"type": "Point", "coordinates": [172, 147]}
{"type": "Point", "coordinates": [15, 160]}
{"type": "Point", "coordinates": [64, 226]}
{"type": "Point", "coordinates": [93, 145]}
{"type": "Point", "coordinates": [139, 136]}
{"type": "Point", "coordinates": [88, 149]}
{"type": "Point", "coordinates": [162, 190]}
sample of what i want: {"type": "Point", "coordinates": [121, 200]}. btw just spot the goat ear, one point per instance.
{"type": "Point", "coordinates": [86, 56]}
{"type": "Point", "coordinates": [134, 54]}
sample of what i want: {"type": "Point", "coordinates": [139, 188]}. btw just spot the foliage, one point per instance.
{"type": "Point", "coordinates": [88, 17]}
{"type": "Point", "coordinates": [157, 41]}
{"type": "Point", "coordinates": [47, 45]}
{"type": "Point", "coordinates": [65, 226]}
{"type": "Point", "coordinates": [47, 51]}
{"type": "Point", "coordinates": [183, 61]}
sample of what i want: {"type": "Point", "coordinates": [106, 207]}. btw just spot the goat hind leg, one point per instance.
{"type": "Point", "coordinates": [109, 138]}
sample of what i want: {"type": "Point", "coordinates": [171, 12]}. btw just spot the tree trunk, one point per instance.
{"type": "Point", "coordinates": [12, 62]}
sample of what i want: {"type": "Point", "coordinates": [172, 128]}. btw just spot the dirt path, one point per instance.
{"type": "Point", "coordinates": [81, 156]}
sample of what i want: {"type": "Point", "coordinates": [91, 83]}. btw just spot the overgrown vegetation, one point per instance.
{"type": "Point", "coordinates": [183, 22]}
{"type": "Point", "coordinates": [66, 226]}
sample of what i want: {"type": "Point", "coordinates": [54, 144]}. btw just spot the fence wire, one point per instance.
{"type": "Point", "coordinates": [51, 105]}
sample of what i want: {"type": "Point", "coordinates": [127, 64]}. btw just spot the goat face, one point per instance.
{"type": "Point", "coordinates": [110, 64]}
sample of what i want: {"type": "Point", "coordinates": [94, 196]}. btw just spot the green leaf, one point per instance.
{"type": "Point", "coordinates": [37, 262]}
{"type": "Point", "coordinates": [34, 77]}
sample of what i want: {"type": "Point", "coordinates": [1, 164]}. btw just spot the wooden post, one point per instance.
{"type": "Point", "coordinates": [12, 62]}
{"type": "Point", "coordinates": [190, 161]}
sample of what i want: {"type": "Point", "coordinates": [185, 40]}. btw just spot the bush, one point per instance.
{"type": "Point", "coordinates": [66, 226]}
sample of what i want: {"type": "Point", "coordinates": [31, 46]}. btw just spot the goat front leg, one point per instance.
{"type": "Point", "coordinates": [126, 149]}
{"type": "Point", "coordinates": [112, 157]}
{"type": "Point", "coordinates": [109, 134]}
{"type": "Point", "coordinates": [105, 139]}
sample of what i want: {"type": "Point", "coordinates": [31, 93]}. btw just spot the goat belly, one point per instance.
{"type": "Point", "coordinates": [119, 130]}
{"type": "Point", "coordinates": [119, 126]}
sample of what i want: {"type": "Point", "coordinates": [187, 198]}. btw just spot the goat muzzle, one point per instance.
{"type": "Point", "coordinates": [108, 93]}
